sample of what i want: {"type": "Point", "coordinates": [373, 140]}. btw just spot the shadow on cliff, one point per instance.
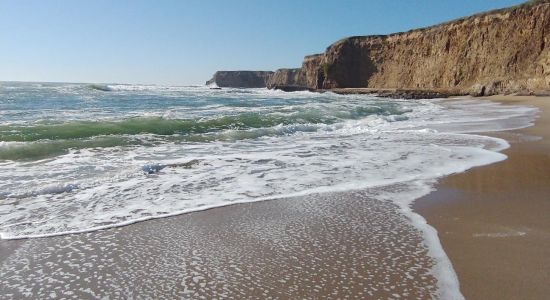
{"type": "Point", "coordinates": [348, 65]}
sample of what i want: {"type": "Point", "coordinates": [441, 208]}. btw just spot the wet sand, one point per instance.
{"type": "Point", "coordinates": [494, 221]}
{"type": "Point", "coordinates": [337, 245]}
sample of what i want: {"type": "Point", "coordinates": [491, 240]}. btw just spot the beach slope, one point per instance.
{"type": "Point", "coordinates": [494, 221]}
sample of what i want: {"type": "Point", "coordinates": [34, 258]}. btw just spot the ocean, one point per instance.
{"type": "Point", "coordinates": [78, 158]}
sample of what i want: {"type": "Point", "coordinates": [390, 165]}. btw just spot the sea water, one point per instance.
{"type": "Point", "coordinates": [80, 157]}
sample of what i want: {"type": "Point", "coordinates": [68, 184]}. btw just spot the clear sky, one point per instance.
{"type": "Point", "coordinates": [185, 41]}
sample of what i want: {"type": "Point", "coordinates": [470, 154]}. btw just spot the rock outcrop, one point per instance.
{"type": "Point", "coordinates": [286, 77]}
{"type": "Point", "coordinates": [283, 79]}
{"type": "Point", "coordinates": [502, 51]}
{"type": "Point", "coordinates": [240, 79]}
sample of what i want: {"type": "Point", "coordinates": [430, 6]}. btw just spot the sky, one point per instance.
{"type": "Point", "coordinates": [179, 42]}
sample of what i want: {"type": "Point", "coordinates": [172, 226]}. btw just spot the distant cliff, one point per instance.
{"type": "Point", "coordinates": [288, 77]}
{"type": "Point", "coordinates": [291, 79]}
{"type": "Point", "coordinates": [501, 51]}
{"type": "Point", "coordinates": [240, 79]}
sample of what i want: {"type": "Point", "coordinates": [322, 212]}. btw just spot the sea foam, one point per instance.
{"type": "Point", "coordinates": [353, 154]}
{"type": "Point", "coordinates": [245, 145]}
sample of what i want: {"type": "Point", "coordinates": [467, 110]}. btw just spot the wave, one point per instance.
{"type": "Point", "coordinates": [43, 149]}
{"type": "Point", "coordinates": [142, 87]}
{"type": "Point", "coordinates": [100, 87]}
{"type": "Point", "coordinates": [48, 190]}
{"type": "Point", "coordinates": [164, 127]}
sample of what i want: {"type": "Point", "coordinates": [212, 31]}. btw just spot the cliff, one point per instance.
{"type": "Point", "coordinates": [497, 52]}
{"type": "Point", "coordinates": [502, 51]}
{"type": "Point", "coordinates": [240, 79]}
{"type": "Point", "coordinates": [287, 77]}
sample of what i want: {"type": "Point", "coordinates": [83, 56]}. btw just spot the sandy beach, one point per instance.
{"type": "Point", "coordinates": [493, 221]}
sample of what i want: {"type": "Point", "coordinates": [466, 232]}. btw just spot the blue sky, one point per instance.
{"type": "Point", "coordinates": [184, 42]}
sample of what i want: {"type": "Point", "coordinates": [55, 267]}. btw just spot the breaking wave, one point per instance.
{"type": "Point", "coordinates": [100, 87]}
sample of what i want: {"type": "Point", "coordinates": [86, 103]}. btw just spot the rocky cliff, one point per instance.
{"type": "Point", "coordinates": [240, 79]}
{"type": "Point", "coordinates": [286, 77]}
{"type": "Point", "coordinates": [501, 51]}
{"type": "Point", "coordinates": [300, 78]}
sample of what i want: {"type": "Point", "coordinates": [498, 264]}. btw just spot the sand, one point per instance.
{"type": "Point", "coordinates": [335, 245]}
{"type": "Point", "coordinates": [494, 221]}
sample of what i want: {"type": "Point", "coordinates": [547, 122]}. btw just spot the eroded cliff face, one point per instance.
{"type": "Point", "coordinates": [503, 51]}
{"type": "Point", "coordinates": [240, 79]}
{"type": "Point", "coordinates": [286, 77]}
{"type": "Point", "coordinates": [299, 78]}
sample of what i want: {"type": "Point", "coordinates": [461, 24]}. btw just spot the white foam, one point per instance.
{"type": "Point", "coordinates": [350, 155]}
{"type": "Point", "coordinates": [318, 156]}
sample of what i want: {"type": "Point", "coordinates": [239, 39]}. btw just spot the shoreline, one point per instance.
{"type": "Point", "coordinates": [492, 221]}
{"type": "Point", "coordinates": [407, 93]}
{"type": "Point", "coordinates": [320, 245]}
{"type": "Point", "coordinates": [274, 234]}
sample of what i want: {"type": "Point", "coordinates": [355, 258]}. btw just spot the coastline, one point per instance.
{"type": "Point", "coordinates": [308, 242]}
{"type": "Point", "coordinates": [238, 190]}
{"type": "Point", "coordinates": [493, 221]}
{"type": "Point", "coordinates": [313, 246]}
